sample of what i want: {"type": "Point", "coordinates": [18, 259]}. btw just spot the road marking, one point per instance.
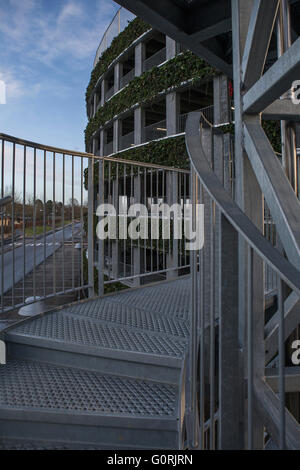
{"type": "Point", "coordinates": [32, 244]}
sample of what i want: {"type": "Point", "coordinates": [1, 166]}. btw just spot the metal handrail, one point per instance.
{"type": "Point", "coordinates": [104, 43]}
{"type": "Point", "coordinates": [47, 148]}
{"type": "Point", "coordinates": [230, 209]}
{"type": "Point", "coordinates": [141, 164]}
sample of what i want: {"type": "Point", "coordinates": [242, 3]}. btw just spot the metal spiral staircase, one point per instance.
{"type": "Point", "coordinates": [198, 362]}
{"type": "Point", "coordinates": [105, 374]}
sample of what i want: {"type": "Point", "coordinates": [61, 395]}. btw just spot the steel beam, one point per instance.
{"type": "Point", "coordinates": [282, 110]}
{"type": "Point", "coordinates": [258, 39]}
{"type": "Point", "coordinates": [275, 82]}
{"type": "Point", "coordinates": [280, 198]}
{"type": "Point", "coordinates": [268, 406]}
{"type": "Point", "coordinates": [292, 379]}
{"type": "Point", "coordinates": [167, 17]}
{"type": "Point", "coordinates": [291, 318]}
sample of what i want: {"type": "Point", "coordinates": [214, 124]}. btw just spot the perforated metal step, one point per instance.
{"type": "Point", "coordinates": [107, 373]}
{"type": "Point", "coordinates": [168, 299]}
{"type": "Point", "coordinates": [25, 384]}
{"type": "Point", "coordinates": [22, 444]}
{"type": "Point", "coordinates": [73, 402]}
{"type": "Point", "coordinates": [112, 310]}
{"type": "Point", "coordinates": [137, 342]}
{"type": "Point", "coordinates": [75, 330]}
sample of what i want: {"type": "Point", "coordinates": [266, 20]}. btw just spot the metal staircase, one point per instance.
{"type": "Point", "coordinates": [107, 373]}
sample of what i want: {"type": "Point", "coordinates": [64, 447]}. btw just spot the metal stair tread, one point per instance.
{"type": "Point", "coordinates": [22, 444]}
{"type": "Point", "coordinates": [171, 298]}
{"type": "Point", "coordinates": [108, 310]}
{"type": "Point", "coordinates": [33, 386]}
{"type": "Point", "coordinates": [67, 329]}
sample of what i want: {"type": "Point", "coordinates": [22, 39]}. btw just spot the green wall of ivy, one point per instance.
{"type": "Point", "coordinates": [167, 152]}
{"type": "Point", "coordinates": [271, 128]}
{"type": "Point", "coordinates": [142, 89]}
{"type": "Point", "coordinates": [133, 31]}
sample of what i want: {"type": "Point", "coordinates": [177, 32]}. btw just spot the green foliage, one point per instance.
{"type": "Point", "coordinates": [271, 128]}
{"type": "Point", "coordinates": [167, 152]}
{"type": "Point", "coordinates": [134, 30]}
{"type": "Point", "coordinates": [273, 131]}
{"type": "Point", "coordinates": [142, 89]}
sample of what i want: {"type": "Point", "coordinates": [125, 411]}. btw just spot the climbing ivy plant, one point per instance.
{"type": "Point", "coordinates": [167, 152]}
{"type": "Point", "coordinates": [134, 30]}
{"type": "Point", "coordinates": [271, 128]}
{"type": "Point", "coordinates": [182, 68]}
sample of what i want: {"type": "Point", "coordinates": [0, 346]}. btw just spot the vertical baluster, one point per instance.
{"type": "Point", "coordinates": [2, 228]}
{"type": "Point", "coordinates": [212, 323]}
{"type": "Point", "coordinates": [151, 197]}
{"type": "Point", "coordinates": [91, 227]}
{"type": "Point", "coordinates": [157, 241]}
{"type": "Point", "coordinates": [73, 225]}
{"type": "Point", "coordinates": [281, 349]}
{"type": "Point", "coordinates": [250, 348]}
{"type": "Point", "coordinates": [125, 220]}
{"type": "Point", "coordinates": [34, 225]}
{"type": "Point", "coordinates": [13, 225]}
{"type": "Point", "coordinates": [24, 222]}
{"type": "Point", "coordinates": [63, 221]}
{"type": "Point", "coordinates": [54, 223]}
{"type": "Point", "coordinates": [131, 201]}
{"type": "Point", "coordinates": [109, 241]}
{"type": "Point", "coordinates": [44, 222]}
{"type": "Point", "coordinates": [194, 323]}
{"type": "Point", "coordinates": [101, 242]}
{"type": "Point", "coordinates": [202, 333]}
{"type": "Point", "coordinates": [81, 280]}
{"type": "Point", "coordinates": [162, 222]}
{"type": "Point", "coordinates": [145, 202]}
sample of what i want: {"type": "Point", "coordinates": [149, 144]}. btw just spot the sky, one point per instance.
{"type": "Point", "coordinates": [47, 49]}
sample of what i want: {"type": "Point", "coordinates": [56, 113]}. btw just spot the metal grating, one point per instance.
{"type": "Point", "coordinates": [170, 299]}
{"type": "Point", "coordinates": [17, 444]}
{"type": "Point", "coordinates": [115, 312]}
{"type": "Point", "coordinates": [82, 331]}
{"type": "Point", "coordinates": [27, 385]}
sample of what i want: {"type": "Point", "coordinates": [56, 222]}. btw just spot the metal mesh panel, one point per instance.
{"type": "Point", "coordinates": [44, 386]}
{"type": "Point", "coordinates": [82, 331]}
{"type": "Point", "coordinates": [171, 299]}
{"type": "Point", "coordinates": [115, 312]}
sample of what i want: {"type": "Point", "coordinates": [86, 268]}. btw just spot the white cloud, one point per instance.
{"type": "Point", "coordinates": [46, 34]}
{"type": "Point", "coordinates": [71, 10]}
{"type": "Point", "coordinates": [14, 88]}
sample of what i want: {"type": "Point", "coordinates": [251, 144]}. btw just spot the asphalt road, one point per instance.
{"type": "Point", "coordinates": [52, 242]}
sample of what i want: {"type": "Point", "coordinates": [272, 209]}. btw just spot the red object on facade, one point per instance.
{"type": "Point", "coordinates": [230, 89]}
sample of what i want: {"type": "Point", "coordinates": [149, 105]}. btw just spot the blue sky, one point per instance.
{"type": "Point", "coordinates": [46, 57]}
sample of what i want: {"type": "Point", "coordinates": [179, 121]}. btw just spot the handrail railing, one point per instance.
{"type": "Point", "coordinates": [230, 209]}
{"type": "Point", "coordinates": [43, 236]}
{"type": "Point", "coordinates": [48, 224]}
{"type": "Point", "coordinates": [48, 148]}
{"type": "Point", "coordinates": [118, 24]}
{"type": "Point", "coordinates": [218, 272]}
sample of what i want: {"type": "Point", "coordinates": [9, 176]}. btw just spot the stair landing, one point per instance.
{"type": "Point", "coordinates": [106, 373]}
